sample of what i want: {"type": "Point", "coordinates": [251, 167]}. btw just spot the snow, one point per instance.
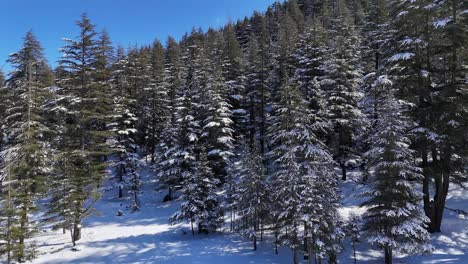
{"type": "Point", "coordinates": [147, 237]}
{"type": "Point", "coordinates": [401, 56]}
{"type": "Point", "coordinates": [441, 23]}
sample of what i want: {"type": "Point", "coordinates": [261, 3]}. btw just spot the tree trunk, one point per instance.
{"type": "Point", "coordinates": [76, 233]}
{"type": "Point", "coordinates": [388, 255]}
{"type": "Point", "coordinates": [191, 225]}
{"type": "Point", "coordinates": [276, 242]}
{"type": "Point", "coordinates": [306, 251]}
{"type": "Point", "coordinates": [332, 258]}
{"type": "Point", "coordinates": [354, 253]}
{"type": "Point", "coordinates": [295, 256]}
{"type": "Point", "coordinates": [343, 172]}
{"type": "Point", "coordinates": [255, 242]}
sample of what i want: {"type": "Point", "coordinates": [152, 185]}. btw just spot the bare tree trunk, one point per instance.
{"type": "Point", "coordinates": [295, 261]}
{"type": "Point", "coordinates": [191, 225]}
{"type": "Point", "coordinates": [388, 255]}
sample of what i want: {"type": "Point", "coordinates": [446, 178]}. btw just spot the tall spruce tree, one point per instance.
{"type": "Point", "coordinates": [251, 193]}
{"type": "Point", "coordinates": [168, 171]}
{"type": "Point", "coordinates": [394, 220]}
{"type": "Point", "coordinates": [124, 119]}
{"type": "Point", "coordinates": [340, 85]}
{"type": "Point", "coordinates": [303, 178]}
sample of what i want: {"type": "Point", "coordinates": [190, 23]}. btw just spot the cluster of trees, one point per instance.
{"type": "Point", "coordinates": [253, 120]}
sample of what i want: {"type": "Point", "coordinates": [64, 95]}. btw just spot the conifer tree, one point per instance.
{"type": "Point", "coordinates": [393, 219]}
{"type": "Point", "coordinates": [251, 194]}
{"type": "Point", "coordinates": [26, 154]}
{"type": "Point", "coordinates": [340, 85]}
{"type": "Point", "coordinates": [84, 140]}
{"type": "Point", "coordinates": [353, 231]}
{"type": "Point", "coordinates": [303, 178]}
{"type": "Point", "coordinates": [233, 74]}
{"type": "Point", "coordinates": [158, 94]}
{"type": "Point", "coordinates": [217, 132]}
{"type": "Point", "coordinates": [168, 172]}
{"type": "Point", "coordinates": [124, 121]}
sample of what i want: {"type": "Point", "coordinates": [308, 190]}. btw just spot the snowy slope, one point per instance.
{"type": "Point", "coordinates": [146, 237]}
{"type": "Point", "coordinates": [451, 246]}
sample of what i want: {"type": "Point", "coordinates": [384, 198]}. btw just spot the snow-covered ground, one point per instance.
{"type": "Point", "coordinates": [147, 237]}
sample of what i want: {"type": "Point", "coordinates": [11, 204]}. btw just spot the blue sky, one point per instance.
{"type": "Point", "coordinates": [128, 22]}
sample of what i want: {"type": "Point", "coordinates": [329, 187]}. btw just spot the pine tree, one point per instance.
{"type": "Point", "coordinates": [233, 74]}
{"type": "Point", "coordinates": [217, 132]}
{"type": "Point", "coordinates": [251, 194]}
{"type": "Point", "coordinates": [449, 85]}
{"type": "Point", "coordinates": [306, 191]}
{"type": "Point", "coordinates": [139, 79]}
{"type": "Point", "coordinates": [158, 99]}
{"type": "Point", "coordinates": [257, 81]}
{"type": "Point", "coordinates": [168, 171]}
{"type": "Point", "coordinates": [428, 65]}
{"type": "Point", "coordinates": [340, 85]}
{"type": "Point", "coordinates": [353, 231]}
{"type": "Point", "coordinates": [393, 219]}
{"type": "Point", "coordinates": [124, 127]}
{"type": "Point", "coordinates": [26, 154]}
{"type": "Point", "coordinates": [201, 205]}
{"type": "Point", "coordinates": [83, 145]}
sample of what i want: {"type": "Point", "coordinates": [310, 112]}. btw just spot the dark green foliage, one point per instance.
{"type": "Point", "coordinates": [83, 146]}
{"type": "Point", "coordinates": [26, 151]}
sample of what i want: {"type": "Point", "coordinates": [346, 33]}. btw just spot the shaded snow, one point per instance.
{"type": "Point", "coordinates": [147, 237]}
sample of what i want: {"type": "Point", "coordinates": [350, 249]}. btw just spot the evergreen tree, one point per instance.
{"type": "Point", "coordinates": [217, 132]}
{"type": "Point", "coordinates": [251, 194]}
{"type": "Point", "coordinates": [201, 205]}
{"type": "Point", "coordinates": [124, 127]}
{"type": "Point", "coordinates": [158, 94]}
{"type": "Point", "coordinates": [353, 231]}
{"type": "Point", "coordinates": [168, 171]}
{"type": "Point", "coordinates": [340, 85]}
{"type": "Point", "coordinates": [26, 154]}
{"type": "Point", "coordinates": [393, 219]}
{"type": "Point", "coordinates": [233, 75]}
{"type": "Point", "coordinates": [303, 178]}
{"type": "Point", "coordinates": [84, 140]}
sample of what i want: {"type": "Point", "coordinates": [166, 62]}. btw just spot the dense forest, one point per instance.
{"type": "Point", "coordinates": [255, 123]}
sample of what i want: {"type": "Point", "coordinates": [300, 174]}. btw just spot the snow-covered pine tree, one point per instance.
{"type": "Point", "coordinates": [139, 79]}
{"type": "Point", "coordinates": [26, 152]}
{"type": "Point", "coordinates": [308, 58]}
{"type": "Point", "coordinates": [393, 220]}
{"type": "Point", "coordinates": [303, 178]}
{"type": "Point", "coordinates": [217, 125]}
{"type": "Point", "coordinates": [449, 82]}
{"type": "Point", "coordinates": [124, 119]}
{"type": "Point", "coordinates": [235, 79]}
{"type": "Point", "coordinates": [251, 194]}
{"type": "Point", "coordinates": [340, 84]}
{"type": "Point", "coordinates": [201, 205]}
{"type": "Point", "coordinates": [257, 67]}
{"type": "Point", "coordinates": [83, 144]}
{"type": "Point", "coordinates": [353, 231]}
{"type": "Point", "coordinates": [167, 170]}
{"type": "Point", "coordinates": [157, 113]}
